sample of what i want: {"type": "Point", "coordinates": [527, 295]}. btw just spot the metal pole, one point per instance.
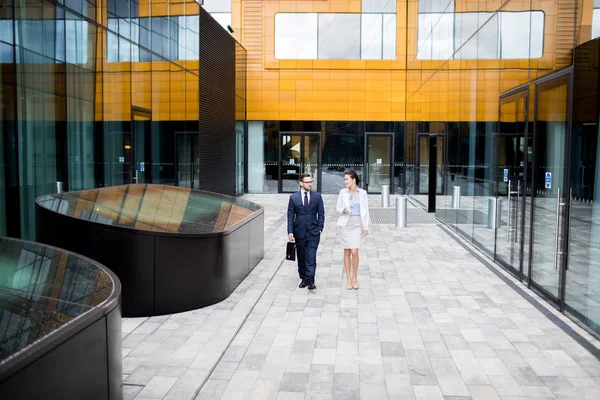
{"type": "Point", "coordinates": [456, 197]}
{"type": "Point", "coordinates": [492, 210]}
{"type": "Point", "coordinates": [385, 195]}
{"type": "Point", "coordinates": [401, 211]}
{"type": "Point", "coordinates": [59, 187]}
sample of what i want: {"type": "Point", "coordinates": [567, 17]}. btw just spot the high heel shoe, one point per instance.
{"type": "Point", "coordinates": [355, 285]}
{"type": "Point", "coordinates": [349, 286]}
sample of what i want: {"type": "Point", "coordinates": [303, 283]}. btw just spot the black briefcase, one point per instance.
{"type": "Point", "coordinates": [290, 251]}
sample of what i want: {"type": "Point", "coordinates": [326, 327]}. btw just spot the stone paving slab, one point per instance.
{"type": "Point", "coordinates": [429, 321]}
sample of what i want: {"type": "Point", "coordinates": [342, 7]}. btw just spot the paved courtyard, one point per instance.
{"type": "Point", "coordinates": [432, 319]}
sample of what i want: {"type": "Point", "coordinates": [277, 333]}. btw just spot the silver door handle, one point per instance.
{"type": "Point", "coordinates": [508, 218]}
{"type": "Point", "coordinates": [557, 252]}
{"type": "Point", "coordinates": [569, 227]}
{"type": "Point", "coordinates": [557, 227]}
{"type": "Point", "coordinates": [136, 175]}
{"type": "Point", "coordinates": [517, 212]}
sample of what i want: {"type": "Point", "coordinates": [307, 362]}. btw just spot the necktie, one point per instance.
{"type": "Point", "coordinates": [305, 200]}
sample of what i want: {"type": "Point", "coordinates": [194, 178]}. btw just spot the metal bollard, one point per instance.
{"type": "Point", "coordinates": [59, 187]}
{"type": "Point", "coordinates": [401, 211]}
{"type": "Point", "coordinates": [492, 217]}
{"type": "Point", "coordinates": [385, 195]}
{"type": "Point", "coordinates": [456, 197]}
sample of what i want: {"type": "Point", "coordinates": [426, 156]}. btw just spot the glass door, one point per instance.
{"type": "Point", "coordinates": [187, 160]}
{"type": "Point", "coordinates": [510, 180]}
{"type": "Point", "coordinates": [440, 183]}
{"type": "Point", "coordinates": [141, 171]}
{"type": "Point", "coordinates": [423, 164]}
{"type": "Point", "coordinates": [549, 177]}
{"type": "Point", "coordinates": [378, 162]}
{"type": "Point", "coordinates": [299, 154]}
{"type": "Point", "coordinates": [582, 297]}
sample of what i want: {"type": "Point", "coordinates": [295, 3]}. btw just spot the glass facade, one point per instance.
{"type": "Point", "coordinates": [515, 153]}
{"type": "Point", "coordinates": [98, 94]}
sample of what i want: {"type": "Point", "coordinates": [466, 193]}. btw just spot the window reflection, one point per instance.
{"type": "Point", "coordinates": [435, 35]}
{"type": "Point", "coordinates": [171, 38]}
{"type": "Point", "coordinates": [480, 35]}
{"type": "Point", "coordinates": [296, 36]}
{"type": "Point", "coordinates": [339, 36]}
{"type": "Point", "coordinates": [436, 6]}
{"type": "Point", "coordinates": [335, 36]}
{"type": "Point", "coordinates": [515, 27]}
{"type": "Point", "coordinates": [480, 45]}
{"type": "Point", "coordinates": [596, 23]}
{"type": "Point", "coordinates": [379, 6]}
{"type": "Point", "coordinates": [371, 39]}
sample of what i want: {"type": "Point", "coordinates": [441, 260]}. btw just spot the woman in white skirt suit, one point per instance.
{"type": "Point", "coordinates": [353, 207]}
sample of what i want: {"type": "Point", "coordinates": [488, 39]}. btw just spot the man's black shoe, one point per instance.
{"type": "Point", "coordinates": [303, 284]}
{"type": "Point", "coordinates": [312, 286]}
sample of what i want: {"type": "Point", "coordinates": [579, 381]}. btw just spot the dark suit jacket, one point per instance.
{"type": "Point", "coordinates": [310, 220]}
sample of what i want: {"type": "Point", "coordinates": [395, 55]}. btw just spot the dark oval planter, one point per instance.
{"type": "Point", "coordinates": [174, 249]}
{"type": "Point", "coordinates": [61, 318]}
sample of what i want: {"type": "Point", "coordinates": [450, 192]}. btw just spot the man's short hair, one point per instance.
{"type": "Point", "coordinates": [304, 176]}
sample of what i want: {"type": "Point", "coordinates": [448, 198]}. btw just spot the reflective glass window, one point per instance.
{"type": "Point", "coordinates": [516, 28]}
{"type": "Point", "coordinates": [76, 41]}
{"type": "Point", "coordinates": [435, 36]}
{"type": "Point", "coordinates": [296, 36]}
{"type": "Point", "coordinates": [596, 23]}
{"type": "Point", "coordinates": [481, 45]}
{"type": "Point", "coordinates": [6, 30]}
{"type": "Point", "coordinates": [371, 40]}
{"type": "Point", "coordinates": [6, 53]}
{"type": "Point", "coordinates": [379, 6]}
{"type": "Point", "coordinates": [436, 6]}
{"type": "Point", "coordinates": [339, 36]}
{"type": "Point", "coordinates": [389, 36]}
{"type": "Point", "coordinates": [217, 6]}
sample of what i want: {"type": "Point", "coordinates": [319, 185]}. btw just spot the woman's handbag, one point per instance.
{"type": "Point", "coordinates": [290, 251]}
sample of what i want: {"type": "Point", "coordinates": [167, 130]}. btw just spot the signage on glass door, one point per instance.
{"type": "Point", "coordinates": [142, 166]}
{"type": "Point", "coordinates": [505, 174]}
{"type": "Point", "coordinates": [292, 161]}
{"type": "Point", "coordinates": [548, 180]}
{"type": "Point", "coordinates": [121, 159]}
{"type": "Point", "coordinates": [379, 161]}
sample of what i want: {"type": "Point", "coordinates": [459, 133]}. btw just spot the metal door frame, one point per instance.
{"type": "Point", "coordinates": [177, 135]}
{"type": "Point", "coordinates": [145, 112]}
{"type": "Point", "coordinates": [519, 271]}
{"type": "Point", "coordinates": [280, 161]}
{"type": "Point", "coordinates": [444, 173]}
{"type": "Point", "coordinates": [365, 182]}
{"type": "Point", "coordinates": [562, 259]}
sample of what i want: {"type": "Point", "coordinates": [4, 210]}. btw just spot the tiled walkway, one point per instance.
{"type": "Point", "coordinates": [429, 321]}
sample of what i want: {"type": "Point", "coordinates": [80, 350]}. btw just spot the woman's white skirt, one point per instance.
{"type": "Point", "coordinates": [352, 233]}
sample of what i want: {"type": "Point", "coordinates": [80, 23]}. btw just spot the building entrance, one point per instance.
{"type": "Point", "coordinates": [188, 175]}
{"type": "Point", "coordinates": [511, 178]}
{"type": "Point", "coordinates": [299, 153]}
{"type": "Point", "coordinates": [378, 161]}
{"type": "Point", "coordinates": [139, 155]}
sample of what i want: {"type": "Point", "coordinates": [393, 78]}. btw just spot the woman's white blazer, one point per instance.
{"type": "Point", "coordinates": [364, 207]}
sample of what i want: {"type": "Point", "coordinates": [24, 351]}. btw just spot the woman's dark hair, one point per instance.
{"type": "Point", "coordinates": [353, 175]}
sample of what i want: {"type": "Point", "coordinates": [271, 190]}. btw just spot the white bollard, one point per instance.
{"type": "Point", "coordinates": [401, 211]}
{"type": "Point", "coordinates": [385, 196]}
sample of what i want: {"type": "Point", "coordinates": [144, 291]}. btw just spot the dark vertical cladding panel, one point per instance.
{"type": "Point", "coordinates": [217, 107]}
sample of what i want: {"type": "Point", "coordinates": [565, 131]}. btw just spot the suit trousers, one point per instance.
{"type": "Point", "coordinates": [307, 256]}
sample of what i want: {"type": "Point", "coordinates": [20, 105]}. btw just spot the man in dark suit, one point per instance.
{"type": "Point", "coordinates": [306, 218]}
